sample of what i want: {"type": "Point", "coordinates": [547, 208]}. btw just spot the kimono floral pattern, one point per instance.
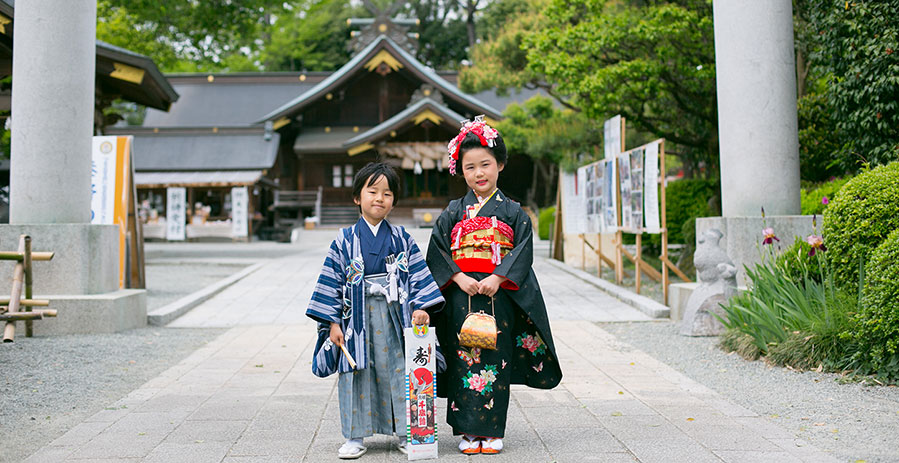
{"type": "Point", "coordinates": [481, 382]}
{"type": "Point", "coordinates": [532, 343]}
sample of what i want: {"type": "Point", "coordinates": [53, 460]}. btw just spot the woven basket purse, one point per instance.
{"type": "Point", "coordinates": [479, 329]}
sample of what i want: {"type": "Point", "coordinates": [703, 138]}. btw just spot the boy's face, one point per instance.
{"type": "Point", "coordinates": [376, 200]}
{"type": "Point", "coordinates": [481, 171]}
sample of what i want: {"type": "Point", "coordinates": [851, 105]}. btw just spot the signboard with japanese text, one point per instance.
{"type": "Point", "coordinates": [111, 188]}
{"type": "Point", "coordinates": [421, 392]}
{"type": "Point", "coordinates": [240, 200]}
{"type": "Point", "coordinates": [176, 213]}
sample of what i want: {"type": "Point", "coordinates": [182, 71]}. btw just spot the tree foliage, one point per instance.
{"type": "Point", "coordinates": [857, 49]}
{"type": "Point", "coordinates": [185, 35]}
{"type": "Point", "coordinates": [308, 35]}
{"type": "Point", "coordinates": [650, 61]}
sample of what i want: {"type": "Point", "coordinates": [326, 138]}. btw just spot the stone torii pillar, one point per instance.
{"type": "Point", "coordinates": [757, 122]}
{"type": "Point", "coordinates": [757, 126]}
{"type": "Point", "coordinates": [54, 55]}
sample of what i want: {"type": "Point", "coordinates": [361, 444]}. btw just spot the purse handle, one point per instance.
{"type": "Point", "coordinates": [492, 310]}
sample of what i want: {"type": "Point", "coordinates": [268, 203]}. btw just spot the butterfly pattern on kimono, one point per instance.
{"type": "Point", "coordinates": [538, 368]}
{"type": "Point", "coordinates": [470, 356]}
{"type": "Point", "coordinates": [489, 405]}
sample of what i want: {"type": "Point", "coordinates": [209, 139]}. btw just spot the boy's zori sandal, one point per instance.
{"type": "Point", "coordinates": [470, 445]}
{"type": "Point", "coordinates": [351, 450]}
{"type": "Point", "coordinates": [491, 445]}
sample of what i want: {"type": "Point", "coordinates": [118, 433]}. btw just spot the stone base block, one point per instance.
{"type": "Point", "coordinates": [743, 236]}
{"type": "Point", "coordinates": [96, 313]}
{"type": "Point", "coordinates": [678, 294]}
{"type": "Point", "coordinates": [86, 259]}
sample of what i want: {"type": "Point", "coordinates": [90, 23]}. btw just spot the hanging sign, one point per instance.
{"type": "Point", "coordinates": [111, 174]}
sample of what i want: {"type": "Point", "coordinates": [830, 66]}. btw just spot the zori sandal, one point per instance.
{"type": "Point", "coordinates": [491, 445]}
{"type": "Point", "coordinates": [470, 445]}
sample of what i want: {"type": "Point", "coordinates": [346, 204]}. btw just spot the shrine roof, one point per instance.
{"type": "Point", "coordinates": [201, 151]}
{"type": "Point", "coordinates": [358, 63]}
{"type": "Point", "coordinates": [412, 115]}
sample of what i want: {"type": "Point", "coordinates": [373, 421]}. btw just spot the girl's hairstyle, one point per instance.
{"type": "Point", "coordinates": [475, 134]}
{"type": "Point", "coordinates": [371, 173]}
{"type": "Point", "coordinates": [472, 141]}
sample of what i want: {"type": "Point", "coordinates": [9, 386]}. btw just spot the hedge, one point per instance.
{"type": "Point", "coordinates": [877, 327]}
{"type": "Point", "coordinates": [859, 219]}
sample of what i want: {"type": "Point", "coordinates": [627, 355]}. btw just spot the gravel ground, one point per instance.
{"type": "Point", "coordinates": [50, 384]}
{"type": "Point", "coordinates": [855, 422]}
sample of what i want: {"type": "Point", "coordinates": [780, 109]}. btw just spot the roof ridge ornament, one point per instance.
{"type": "Point", "coordinates": [426, 91]}
{"type": "Point", "coordinates": [384, 24]}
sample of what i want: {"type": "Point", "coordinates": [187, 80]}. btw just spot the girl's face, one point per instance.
{"type": "Point", "coordinates": [376, 200]}
{"type": "Point", "coordinates": [481, 171]}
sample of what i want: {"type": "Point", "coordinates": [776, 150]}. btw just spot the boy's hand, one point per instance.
{"type": "Point", "coordinates": [466, 283]}
{"type": "Point", "coordinates": [490, 285]}
{"type": "Point", "coordinates": [336, 334]}
{"type": "Point", "coordinates": [420, 317]}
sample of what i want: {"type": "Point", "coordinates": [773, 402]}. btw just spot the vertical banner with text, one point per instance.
{"type": "Point", "coordinates": [111, 188]}
{"type": "Point", "coordinates": [421, 392]}
{"type": "Point", "coordinates": [240, 199]}
{"type": "Point", "coordinates": [175, 213]}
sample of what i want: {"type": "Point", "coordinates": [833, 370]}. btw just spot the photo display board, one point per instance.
{"type": "Point", "coordinates": [599, 196]}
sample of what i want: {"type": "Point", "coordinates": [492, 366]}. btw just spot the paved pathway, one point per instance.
{"type": "Point", "coordinates": [249, 396]}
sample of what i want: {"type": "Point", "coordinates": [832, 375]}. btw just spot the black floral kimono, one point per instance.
{"type": "Point", "coordinates": [476, 381]}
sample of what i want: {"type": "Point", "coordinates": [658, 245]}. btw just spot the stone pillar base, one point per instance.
{"type": "Point", "coordinates": [743, 236]}
{"type": "Point", "coordinates": [81, 282]}
{"type": "Point", "coordinates": [94, 313]}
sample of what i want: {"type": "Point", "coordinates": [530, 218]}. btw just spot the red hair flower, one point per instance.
{"type": "Point", "coordinates": [485, 133]}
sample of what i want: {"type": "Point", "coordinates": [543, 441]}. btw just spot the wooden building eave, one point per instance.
{"type": "Point", "coordinates": [418, 112]}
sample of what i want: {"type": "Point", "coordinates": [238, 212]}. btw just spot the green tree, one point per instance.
{"type": "Point", "coordinates": [551, 137]}
{"type": "Point", "coordinates": [856, 49]}
{"type": "Point", "coordinates": [308, 35]}
{"type": "Point", "coordinates": [653, 62]}
{"type": "Point", "coordinates": [184, 35]}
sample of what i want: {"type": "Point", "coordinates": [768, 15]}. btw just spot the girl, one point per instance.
{"type": "Point", "coordinates": [374, 283]}
{"type": "Point", "coordinates": [480, 254]}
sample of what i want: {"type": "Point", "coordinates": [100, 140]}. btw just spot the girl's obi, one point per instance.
{"type": "Point", "coordinates": [479, 244]}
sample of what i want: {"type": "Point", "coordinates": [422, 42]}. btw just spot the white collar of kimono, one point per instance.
{"type": "Point", "coordinates": [481, 200]}
{"type": "Point", "coordinates": [374, 228]}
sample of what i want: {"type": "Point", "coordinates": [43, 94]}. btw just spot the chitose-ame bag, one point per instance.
{"type": "Point", "coordinates": [479, 329]}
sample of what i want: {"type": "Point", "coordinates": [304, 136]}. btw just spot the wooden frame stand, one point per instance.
{"type": "Point", "coordinates": [22, 276]}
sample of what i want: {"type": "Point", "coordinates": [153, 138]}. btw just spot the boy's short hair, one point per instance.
{"type": "Point", "coordinates": [371, 173]}
{"type": "Point", "coordinates": [472, 141]}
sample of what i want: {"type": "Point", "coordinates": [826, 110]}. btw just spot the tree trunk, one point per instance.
{"type": "Point", "coordinates": [471, 6]}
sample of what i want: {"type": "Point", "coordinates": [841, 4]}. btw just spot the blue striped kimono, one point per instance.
{"type": "Point", "coordinates": [340, 289]}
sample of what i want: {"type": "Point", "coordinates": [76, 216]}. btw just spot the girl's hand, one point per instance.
{"type": "Point", "coordinates": [336, 334]}
{"type": "Point", "coordinates": [420, 317]}
{"type": "Point", "coordinates": [466, 283]}
{"type": "Point", "coordinates": [490, 285]}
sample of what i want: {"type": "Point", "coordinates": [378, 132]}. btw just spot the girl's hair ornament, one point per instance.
{"type": "Point", "coordinates": [485, 133]}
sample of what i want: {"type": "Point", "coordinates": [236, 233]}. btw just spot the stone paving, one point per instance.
{"type": "Point", "coordinates": [249, 396]}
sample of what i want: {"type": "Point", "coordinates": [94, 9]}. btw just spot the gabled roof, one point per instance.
{"type": "Point", "coordinates": [185, 151]}
{"type": "Point", "coordinates": [228, 100]}
{"type": "Point", "coordinates": [424, 109]}
{"type": "Point", "coordinates": [382, 44]}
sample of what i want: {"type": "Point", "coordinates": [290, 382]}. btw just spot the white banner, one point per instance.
{"type": "Point", "coordinates": [421, 392]}
{"type": "Point", "coordinates": [176, 213]}
{"type": "Point", "coordinates": [103, 180]}
{"type": "Point", "coordinates": [611, 129]}
{"type": "Point", "coordinates": [651, 189]}
{"type": "Point", "coordinates": [573, 205]}
{"type": "Point", "coordinates": [240, 200]}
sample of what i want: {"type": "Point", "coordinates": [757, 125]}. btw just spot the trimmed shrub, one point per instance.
{"type": "Point", "coordinates": [859, 218]}
{"type": "Point", "coordinates": [877, 330]}
{"type": "Point", "coordinates": [812, 199]}
{"type": "Point", "coordinates": [687, 199]}
{"type": "Point", "coordinates": [545, 222]}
